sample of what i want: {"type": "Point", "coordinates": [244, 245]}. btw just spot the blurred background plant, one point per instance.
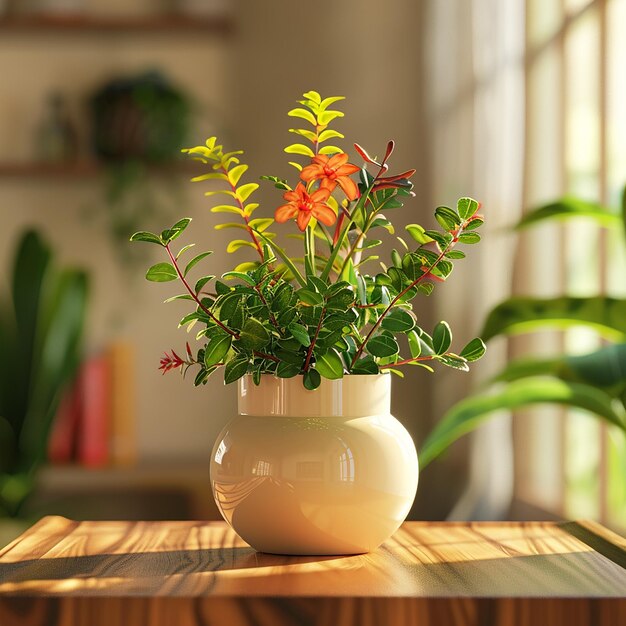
{"type": "Point", "coordinates": [41, 328]}
{"type": "Point", "coordinates": [594, 382]}
{"type": "Point", "coordinates": [138, 123]}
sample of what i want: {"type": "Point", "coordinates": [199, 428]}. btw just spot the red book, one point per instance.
{"type": "Point", "coordinates": [93, 431]}
{"type": "Point", "coordinates": [62, 442]}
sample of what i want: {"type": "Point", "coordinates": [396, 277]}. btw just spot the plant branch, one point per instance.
{"type": "Point", "coordinates": [246, 219]}
{"type": "Point", "coordinates": [197, 300]}
{"type": "Point", "coordinates": [416, 282]}
{"type": "Point", "coordinates": [309, 354]}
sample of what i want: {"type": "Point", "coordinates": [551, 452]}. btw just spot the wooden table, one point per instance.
{"type": "Point", "coordinates": [200, 573]}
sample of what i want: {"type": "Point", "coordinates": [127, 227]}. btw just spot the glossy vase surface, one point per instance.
{"type": "Point", "coordinates": [323, 472]}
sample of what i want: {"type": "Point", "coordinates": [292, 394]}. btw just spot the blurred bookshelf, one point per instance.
{"type": "Point", "coordinates": [157, 489]}
{"type": "Point", "coordinates": [161, 24]}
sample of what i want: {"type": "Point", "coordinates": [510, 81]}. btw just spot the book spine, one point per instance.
{"type": "Point", "coordinates": [62, 441]}
{"type": "Point", "coordinates": [94, 384]}
{"type": "Point", "coordinates": [123, 445]}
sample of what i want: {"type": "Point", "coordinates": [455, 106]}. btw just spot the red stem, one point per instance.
{"type": "Point", "coordinates": [192, 293]}
{"type": "Point", "coordinates": [317, 332]}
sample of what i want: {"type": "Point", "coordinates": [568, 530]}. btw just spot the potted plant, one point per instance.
{"type": "Point", "coordinates": [315, 463]}
{"type": "Point", "coordinates": [41, 327]}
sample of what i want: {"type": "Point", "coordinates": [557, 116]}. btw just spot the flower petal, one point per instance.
{"type": "Point", "coordinates": [303, 219]}
{"type": "Point", "coordinates": [291, 196]}
{"type": "Point", "coordinates": [337, 160]}
{"type": "Point", "coordinates": [321, 195]}
{"type": "Point", "coordinates": [349, 187]}
{"type": "Point", "coordinates": [324, 214]}
{"type": "Point", "coordinates": [347, 169]}
{"type": "Point", "coordinates": [311, 172]}
{"type": "Point", "coordinates": [285, 212]}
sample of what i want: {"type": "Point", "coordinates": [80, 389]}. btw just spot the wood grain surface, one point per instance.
{"type": "Point", "coordinates": [69, 573]}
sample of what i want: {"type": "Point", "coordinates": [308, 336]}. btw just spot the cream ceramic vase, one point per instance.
{"type": "Point", "coordinates": [321, 472]}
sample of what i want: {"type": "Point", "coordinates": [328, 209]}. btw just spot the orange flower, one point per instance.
{"type": "Point", "coordinates": [303, 207]}
{"type": "Point", "coordinates": [331, 172]}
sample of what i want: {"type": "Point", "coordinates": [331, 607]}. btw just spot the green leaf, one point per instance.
{"type": "Point", "coordinates": [466, 207]}
{"type": "Point", "coordinates": [447, 218]}
{"type": "Point", "coordinates": [567, 208]}
{"type": "Point", "coordinates": [195, 260]}
{"type": "Point", "coordinates": [240, 276]}
{"type": "Point", "coordinates": [518, 315]}
{"type": "Point", "coordinates": [366, 365]}
{"type": "Point", "coordinates": [341, 300]}
{"type": "Point", "coordinates": [471, 412]}
{"type": "Point", "coordinates": [300, 333]}
{"type": "Point", "coordinates": [287, 370]}
{"type": "Point", "coordinates": [469, 238]}
{"type": "Point", "coordinates": [442, 338]}
{"type": "Point", "coordinates": [382, 345]}
{"type": "Point", "coordinates": [604, 368]}
{"type": "Point", "coordinates": [146, 236]}
{"type": "Point", "coordinates": [202, 282]}
{"type": "Point", "coordinates": [454, 361]}
{"type": "Point", "coordinates": [227, 208]}
{"type": "Point", "coordinates": [176, 230]}
{"type": "Point", "coordinates": [474, 350]}
{"type": "Point", "coordinates": [312, 379]}
{"type": "Point", "coordinates": [398, 321]}
{"type": "Point", "coordinates": [299, 148]}
{"type": "Point", "coordinates": [216, 349]}
{"type": "Point", "coordinates": [235, 369]}
{"type": "Point", "coordinates": [309, 297]}
{"type": "Point", "coordinates": [161, 273]}
{"type": "Point", "coordinates": [254, 335]}
{"type": "Point", "coordinates": [330, 365]}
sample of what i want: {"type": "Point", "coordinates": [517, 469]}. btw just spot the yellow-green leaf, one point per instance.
{"type": "Point", "coordinates": [327, 117]}
{"type": "Point", "coordinates": [234, 245]}
{"type": "Point", "coordinates": [246, 266]}
{"type": "Point", "coordinates": [296, 165]}
{"type": "Point", "coordinates": [244, 191]}
{"type": "Point", "coordinates": [229, 225]}
{"type": "Point", "coordinates": [227, 208]}
{"type": "Point", "coordinates": [325, 135]}
{"type": "Point", "coordinates": [330, 150]}
{"type": "Point", "coordinates": [261, 223]}
{"type": "Point", "coordinates": [298, 148]}
{"type": "Point", "coordinates": [312, 95]}
{"type": "Point", "coordinates": [249, 209]}
{"type": "Point", "coordinates": [303, 114]}
{"type": "Point", "coordinates": [309, 134]}
{"type": "Point", "coordinates": [235, 174]}
{"type": "Point", "coordinates": [224, 191]}
{"type": "Point", "coordinates": [209, 176]}
{"type": "Point", "coordinates": [326, 102]}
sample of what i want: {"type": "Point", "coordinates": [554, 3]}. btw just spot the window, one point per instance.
{"type": "Point", "coordinates": [527, 104]}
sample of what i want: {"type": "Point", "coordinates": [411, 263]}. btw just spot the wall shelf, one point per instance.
{"type": "Point", "coordinates": [165, 24]}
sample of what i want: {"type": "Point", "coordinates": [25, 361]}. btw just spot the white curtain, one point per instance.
{"type": "Point", "coordinates": [475, 108]}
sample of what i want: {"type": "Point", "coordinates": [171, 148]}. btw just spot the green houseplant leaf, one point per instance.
{"type": "Point", "coordinates": [468, 414]}
{"type": "Point", "coordinates": [518, 315]}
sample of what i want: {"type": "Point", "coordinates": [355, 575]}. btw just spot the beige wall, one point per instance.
{"type": "Point", "coordinates": [369, 52]}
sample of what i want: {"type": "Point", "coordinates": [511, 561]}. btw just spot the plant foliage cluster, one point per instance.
{"type": "Point", "coordinates": [321, 315]}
